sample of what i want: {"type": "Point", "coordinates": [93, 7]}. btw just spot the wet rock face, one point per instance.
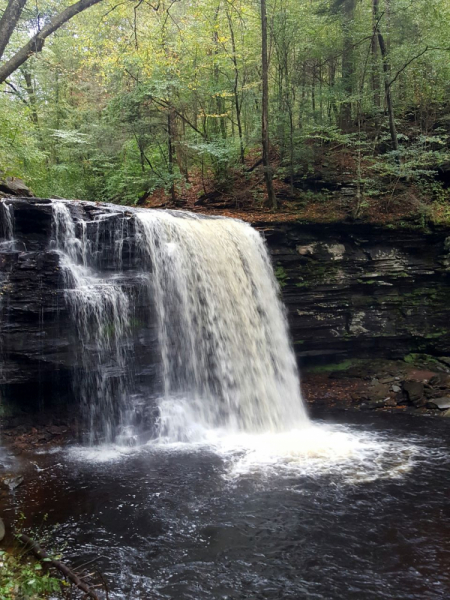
{"type": "Point", "coordinates": [39, 342]}
{"type": "Point", "coordinates": [356, 291]}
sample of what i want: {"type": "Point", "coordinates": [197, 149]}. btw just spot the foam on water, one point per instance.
{"type": "Point", "coordinates": [345, 452]}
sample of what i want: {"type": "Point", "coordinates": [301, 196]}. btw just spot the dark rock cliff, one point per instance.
{"type": "Point", "coordinates": [40, 348]}
{"type": "Point", "coordinates": [350, 292]}
{"type": "Point", "coordinates": [357, 291]}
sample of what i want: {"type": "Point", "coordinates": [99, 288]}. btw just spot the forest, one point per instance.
{"type": "Point", "coordinates": [323, 109]}
{"type": "Point", "coordinates": [199, 407]}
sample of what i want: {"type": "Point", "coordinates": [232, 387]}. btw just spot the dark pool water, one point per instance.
{"type": "Point", "coordinates": [194, 523]}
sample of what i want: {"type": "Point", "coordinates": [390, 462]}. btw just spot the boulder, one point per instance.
{"type": "Point", "coordinates": [377, 392]}
{"type": "Point", "coordinates": [390, 402]}
{"type": "Point", "coordinates": [13, 186]}
{"type": "Point", "coordinates": [11, 482]}
{"type": "Point", "coordinates": [440, 403]}
{"type": "Point", "coordinates": [374, 404]}
{"type": "Point", "coordinates": [435, 380]}
{"type": "Point", "coordinates": [414, 391]}
{"type": "Point", "coordinates": [445, 360]}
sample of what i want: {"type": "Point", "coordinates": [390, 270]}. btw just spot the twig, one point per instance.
{"type": "Point", "coordinates": [71, 576]}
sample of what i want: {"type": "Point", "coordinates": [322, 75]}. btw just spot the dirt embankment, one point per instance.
{"type": "Point", "coordinates": [420, 387]}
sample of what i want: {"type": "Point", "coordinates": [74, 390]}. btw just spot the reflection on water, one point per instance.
{"type": "Point", "coordinates": [354, 510]}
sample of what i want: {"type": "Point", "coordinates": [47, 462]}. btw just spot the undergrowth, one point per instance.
{"type": "Point", "coordinates": [22, 578]}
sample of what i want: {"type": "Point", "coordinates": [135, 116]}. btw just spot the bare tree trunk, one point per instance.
{"type": "Point", "coordinates": [220, 102]}
{"type": "Point", "coordinates": [237, 103]}
{"type": "Point", "coordinates": [313, 89]}
{"type": "Point", "coordinates": [291, 149]}
{"type": "Point", "coordinates": [170, 153]}
{"type": "Point", "coordinates": [375, 64]}
{"type": "Point", "coordinates": [9, 21]}
{"type": "Point", "coordinates": [347, 64]}
{"type": "Point", "coordinates": [31, 96]}
{"type": "Point", "coordinates": [387, 84]}
{"type": "Point", "coordinates": [268, 175]}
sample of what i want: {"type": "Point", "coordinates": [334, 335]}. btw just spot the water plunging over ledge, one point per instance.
{"type": "Point", "coordinates": [259, 502]}
{"type": "Point", "coordinates": [222, 333]}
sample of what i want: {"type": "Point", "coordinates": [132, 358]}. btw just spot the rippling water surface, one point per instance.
{"type": "Point", "coordinates": [354, 508]}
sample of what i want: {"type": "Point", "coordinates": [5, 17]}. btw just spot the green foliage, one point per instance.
{"type": "Point", "coordinates": [281, 276]}
{"type": "Point", "coordinates": [25, 579]}
{"type": "Point", "coordinates": [126, 100]}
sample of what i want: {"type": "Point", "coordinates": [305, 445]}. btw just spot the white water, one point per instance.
{"type": "Point", "coordinates": [226, 358]}
{"type": "Point", "coordinates": [101, 311]}
{"type": "Point", "coordinates": [7, 220]}
{"type": "Point", "coordinates": [229, 379]}
{"type": "Point", "coordinates": [349, 454]}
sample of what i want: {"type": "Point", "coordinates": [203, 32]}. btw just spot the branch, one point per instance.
{"type": "Point", "coordinates": [182, 117]}
{"type": "Point", "coordinates": [36, 43]}
{"type": "Point", "coordinates": [168, 105]}
{"type": "Point", "coordinates": [16, 92]}
{"type": "Point", "coordinates": [412, 60]}
{"type": "Point", "coordinates": [9, 21]}
{"type": "Point", "coordinates": [42, 554]}
{"type": "Point", "coordinates": [112, 9]}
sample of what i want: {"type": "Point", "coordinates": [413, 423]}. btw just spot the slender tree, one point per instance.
{"type": "Point", "coordinates": [268, 174]}
{"type": "Point", "coordinates": [348, 7]}
{"type": "Point", "coordinates": [387, 76]}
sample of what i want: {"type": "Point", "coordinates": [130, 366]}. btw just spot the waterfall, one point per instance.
{"type": "Point", "coordinates": [7, 221]}
{"type": "Point", "coordinates": [225, 356]}
{"type": "Point", "coordinates": [101, 310]}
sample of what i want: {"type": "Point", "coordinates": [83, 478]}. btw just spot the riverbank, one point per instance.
{"type": "Point", "coordinates": [419, 387]}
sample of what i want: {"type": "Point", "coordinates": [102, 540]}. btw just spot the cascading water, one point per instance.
{"type": "Point", "coordinates": [101, 311]}
{"type": "Point", "coordinates": [222, 334]}
{"type": "Point", "coordinates": [226, 357]}
{"type": "Point", "coordinates": [7, 221]}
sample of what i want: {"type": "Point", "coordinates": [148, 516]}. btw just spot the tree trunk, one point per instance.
{"type": "Point", "coordinates": [170, 153]}
{"type": "Point", "coordinates": [237, 103]}
{"type": "Point", "coordinates": [31, 97]}
{"type": "Point", "coordinates": [347, 64]}
{"type": "Point", "coordinates": [220, 102]}
{"type": "Point", "coordinates": [271, 199]}
{"type": "Point", "coordinates": [387, 84]}
{"type": "Point", "coordinates": [375, 65]}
